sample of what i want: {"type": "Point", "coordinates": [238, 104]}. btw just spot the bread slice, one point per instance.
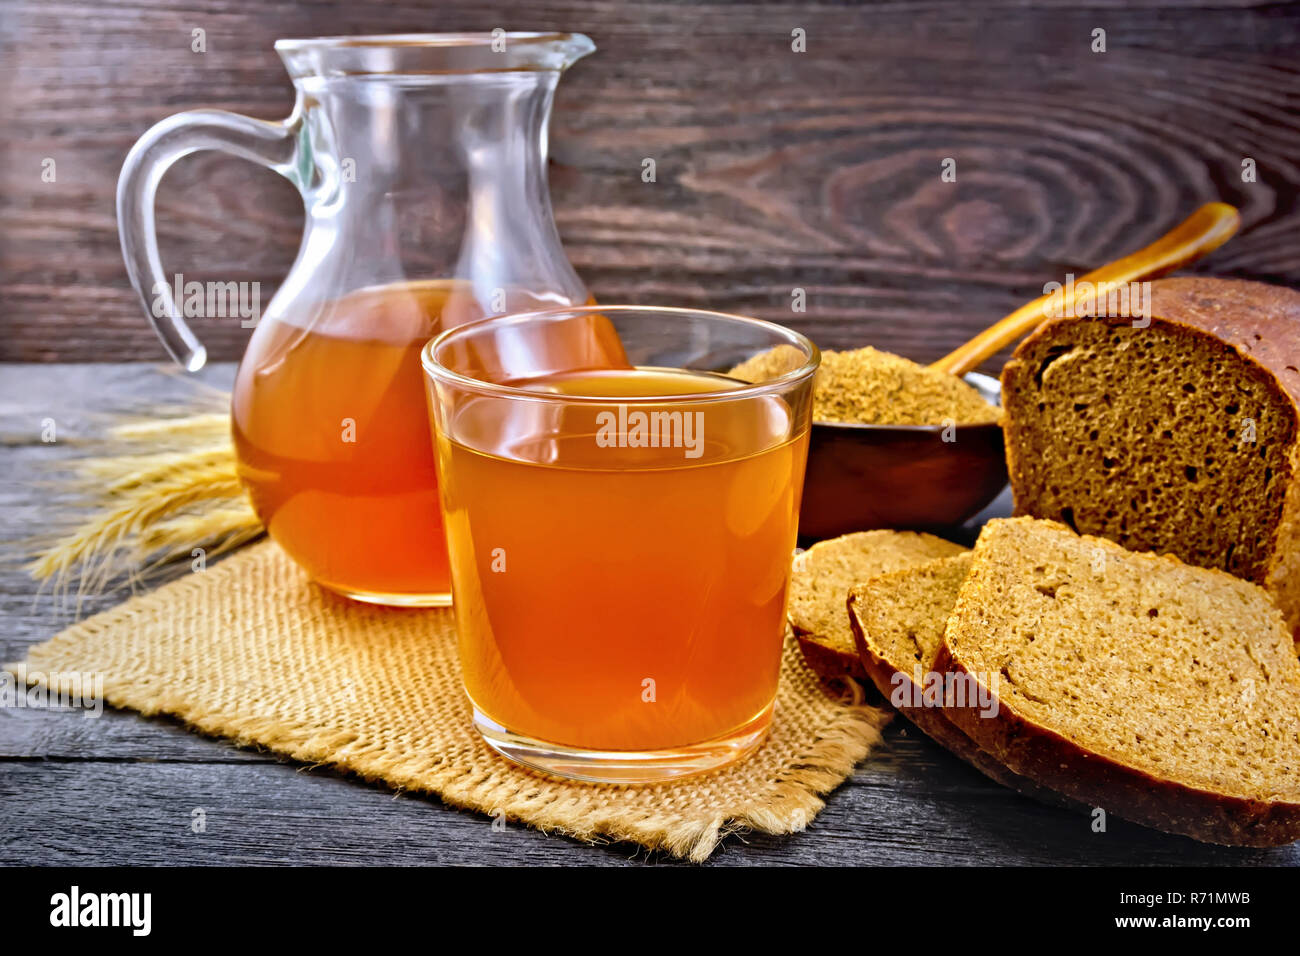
{"type": "Point", "coordinates": [1165, 693]}
{"type": "Point", "coordinates": [898, 621]}
{"type": "Point", "coordinates": [1177, 432]}
{"type": "Point", "coordinates": [819, 589]}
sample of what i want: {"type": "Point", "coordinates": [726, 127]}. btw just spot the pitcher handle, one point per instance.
{"type": "Point", "coordinates": [274, 145]}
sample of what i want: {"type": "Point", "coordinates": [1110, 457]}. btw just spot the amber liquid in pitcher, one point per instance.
{"type": "Point", "coordinates": [331, 430]}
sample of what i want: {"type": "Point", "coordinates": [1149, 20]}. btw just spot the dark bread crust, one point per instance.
{"type": "Point", "coordinates": [1258, 322]}
{"type": "Point", "coordinates": [1055, 761]}
{"type": "Point", "coordinates": [932, 722]}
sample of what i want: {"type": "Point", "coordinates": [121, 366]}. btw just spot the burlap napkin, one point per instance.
{"type": "Point", "coordinates": [249, 649]}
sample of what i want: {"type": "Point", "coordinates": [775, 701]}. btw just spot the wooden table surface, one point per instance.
{"type": "Point", "coordinates": [775, 170]}
{"type": "Point", "coordinates": [121, 788]}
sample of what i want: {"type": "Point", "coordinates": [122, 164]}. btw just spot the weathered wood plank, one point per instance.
{"type": "Point", "coordinates": [776, 170]}
{"type": "Point", "coordinates": [79, 400]}
{"type": "Point", "coordinates": [102, 812]}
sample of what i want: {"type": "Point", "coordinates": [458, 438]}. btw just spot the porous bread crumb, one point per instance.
{"type": "Point", "coordinates": [820, 582]}
{"type": "Point", "coordinates": [1179, 434]}
{"type": "Point", "coordinates": [1166, 693]}
{"type": "Point", "coordinates": [869, 387]}
{"type": "Point", "coordinates": [899, 618]}
{"type": "Point", "coordinates": [902, 613]}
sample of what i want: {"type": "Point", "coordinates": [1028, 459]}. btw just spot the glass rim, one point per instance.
{"type": "Point", "coordinates": [480, 38]}
{"type": "Point", "coordinates": [432, 53]}
{"type": "Point", "coordinates": [743, 390]}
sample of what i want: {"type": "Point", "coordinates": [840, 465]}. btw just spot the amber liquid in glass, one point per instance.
{"type": "Point", "coordinates": [331, 431]}
{"type": "Point", "coordinates": [622, 598]}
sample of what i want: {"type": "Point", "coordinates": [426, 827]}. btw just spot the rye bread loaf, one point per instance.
{"type": "Point", "coordinates": [1182, 437]}
{"type": "Point", "coordinates": [898, 621]}
{"type": "Point", "coordinates": [819, 589]}
{"type": "Point", "coordinates": [1165, 693]}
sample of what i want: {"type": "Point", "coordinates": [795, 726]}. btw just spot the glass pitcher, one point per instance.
{"type": "Point", "coordinates": [422, 165]}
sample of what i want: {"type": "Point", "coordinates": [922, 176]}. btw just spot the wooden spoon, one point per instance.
{"type": "Point", "coordinates": [1199, 234]}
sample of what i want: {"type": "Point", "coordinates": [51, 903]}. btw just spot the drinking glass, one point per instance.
{"type": "Point", "coordinates": [620, 532]}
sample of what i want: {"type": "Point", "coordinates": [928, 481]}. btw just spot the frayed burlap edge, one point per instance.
{"type": "Point", "coordinates": [790, 803]}
{"type": "Point", "coordinates": [785, 804]}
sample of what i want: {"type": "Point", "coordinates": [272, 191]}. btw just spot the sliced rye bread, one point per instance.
{"type": "Point", "coordinates": [898, 621]}
{"type": "Point", "coordinates": [1165, 693]}
{"type": "Point", "coordinates": [1179, 436]}
{"type": "Point", "coordinates": [819, 589]}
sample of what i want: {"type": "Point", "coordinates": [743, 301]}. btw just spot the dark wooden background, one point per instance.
{"type": "Point", "coordinates": [775, 169]}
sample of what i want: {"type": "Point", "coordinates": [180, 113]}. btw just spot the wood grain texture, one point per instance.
{"type": "Point", "coordinates": [121, 788]}
{"type": "Point", "coordinates": [776, 170]}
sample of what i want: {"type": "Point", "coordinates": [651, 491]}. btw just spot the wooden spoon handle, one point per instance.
{"type": "Point", "coordinates": [1199, 234]}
